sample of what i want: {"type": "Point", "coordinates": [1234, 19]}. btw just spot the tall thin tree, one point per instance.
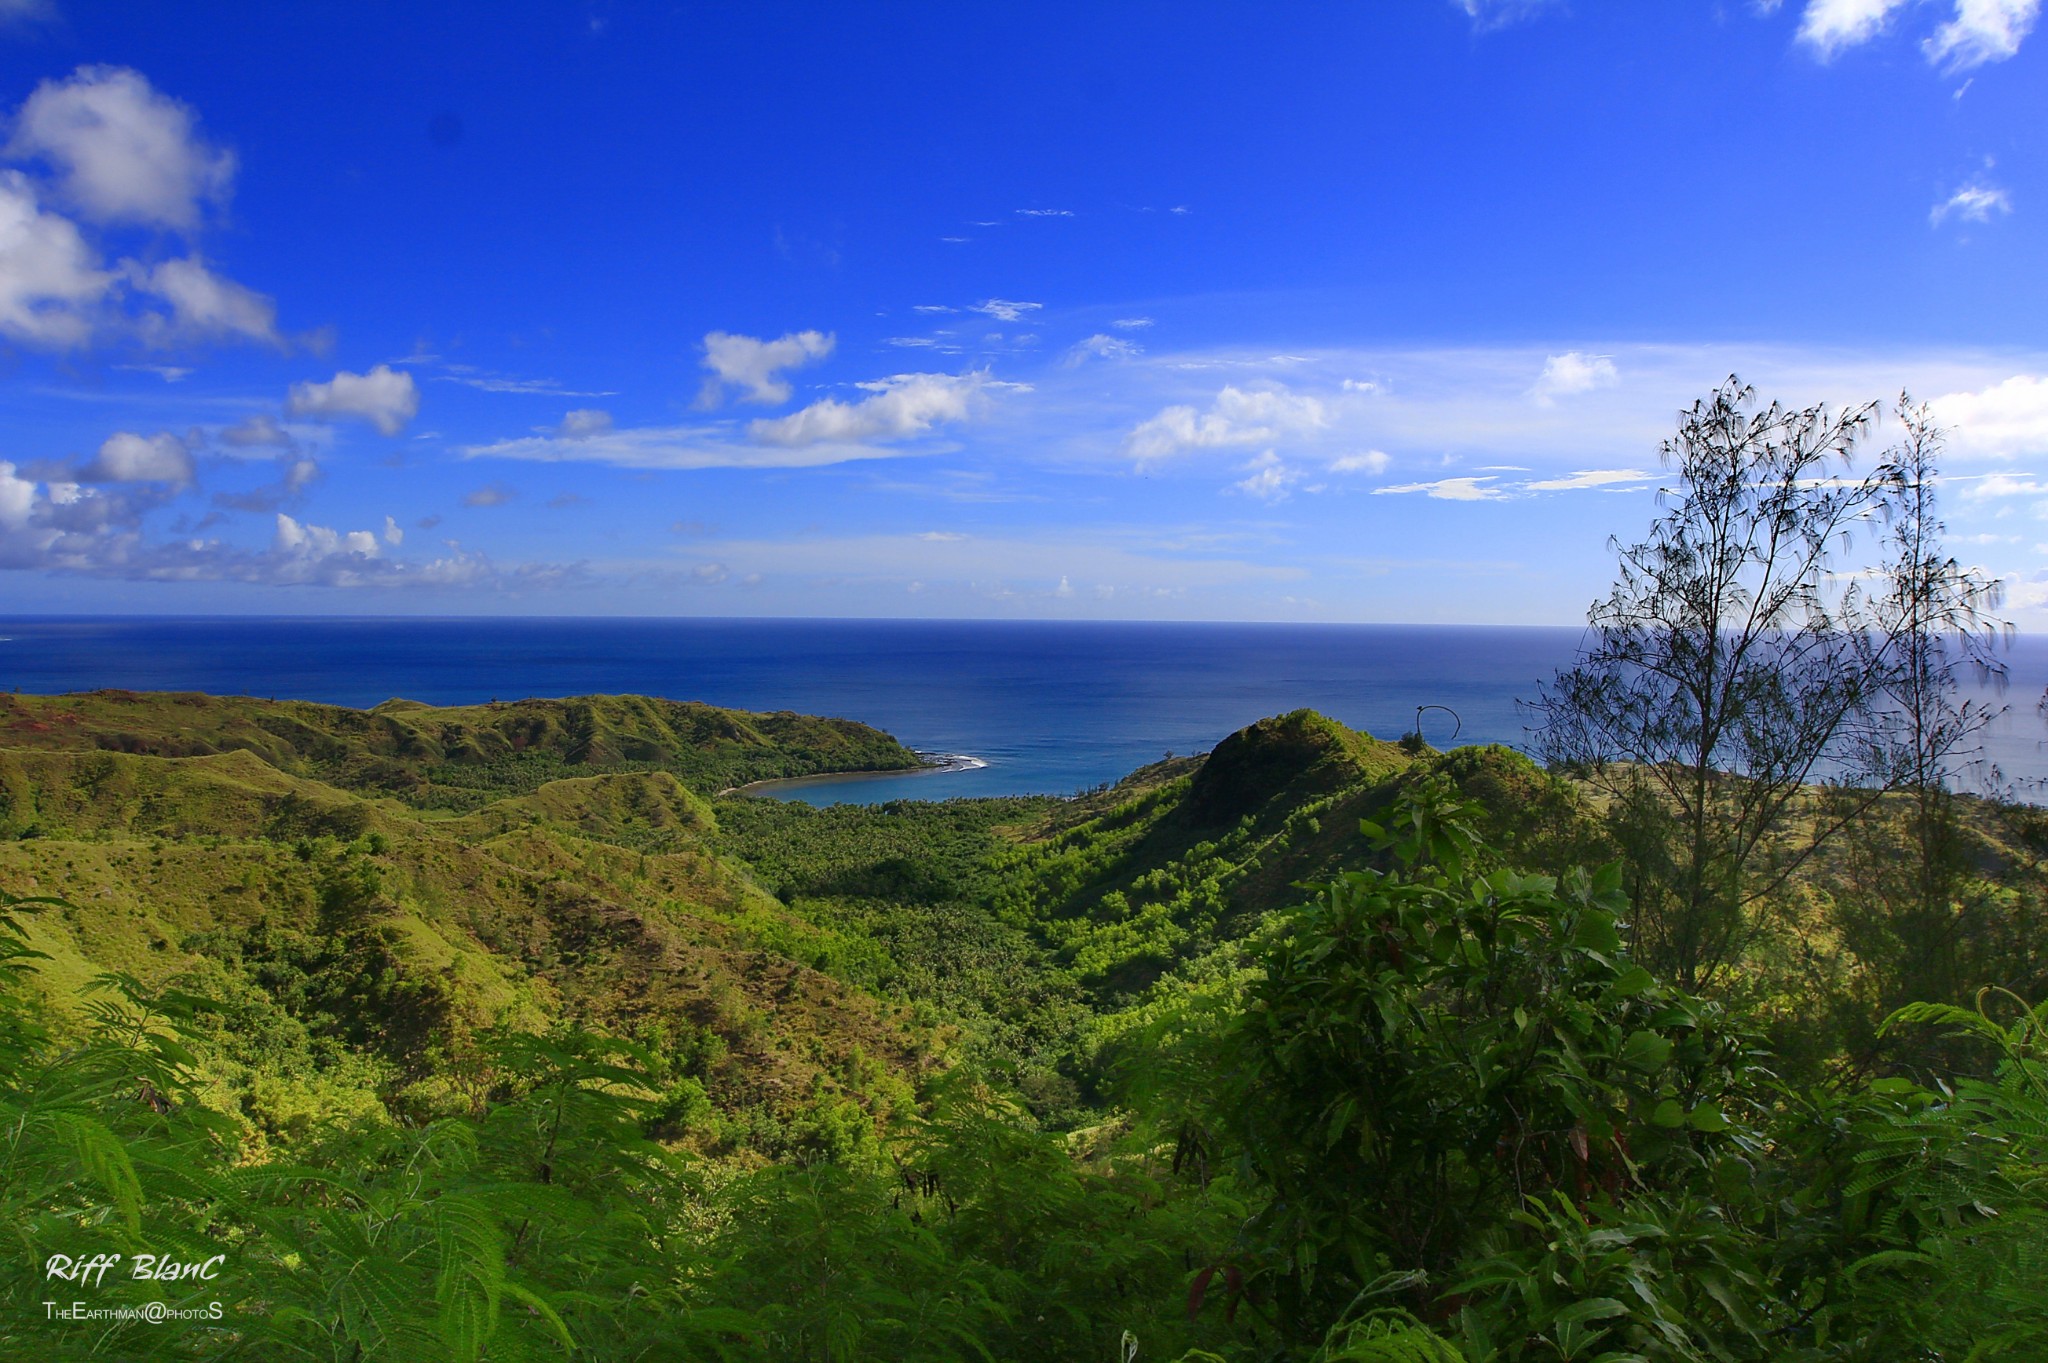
{"type": "Point", "coordinates": [1731, 666]}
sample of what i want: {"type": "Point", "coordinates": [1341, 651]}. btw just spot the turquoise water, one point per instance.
{"type": "Point", "coordinates": [1049, 708]}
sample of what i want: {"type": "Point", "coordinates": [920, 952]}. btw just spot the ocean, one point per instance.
{"type": "Point", "coordinates": [1046, 707]}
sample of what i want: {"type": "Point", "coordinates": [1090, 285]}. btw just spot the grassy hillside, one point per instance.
{"type": "Point", "coordinates": [373, 888]}
{"type": "Point", "coordinates": [366, 891]}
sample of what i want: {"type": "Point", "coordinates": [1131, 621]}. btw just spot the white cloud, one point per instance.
{"type": "Point", "coordinates": [2002, 421]}
{"type": "Point", "coordinates": [296, 540]}
{"type": "Point", "coordinates": [1004, 310]}
{"type": "Point", "coordinates": [932, 307]}
{"type": "Point", "coordinates": [256, 432]}
{"type": "Point", "coordinates": [1237, 417]}
{"type": "Point", "coordinates": [585, 422]}
{"type": "Point", "coordinates": [1131, 323]}
{"type": "Point", "coordinates": [1452, 490]}
{"type": "Point", "coordinates": [905, 405]}
{"type": "Point", "coordinates": [1828, 26]}
{"type": "Point", "coordinates": [677, 447]}
{"type": "Point", "coordinates": [392, 534]}
{"type": "Point", "coordinates": [387, 398]}
{"type": "Point", "coordinates": [500, 383]}
{"type": "Point", "coordinates": [1972, 203]}
{"type": "Point", "coordinates": [1585, 478]}
{"type": "Point", "coordinates": [122, 151]}
{"type": "Point", "coordinates": [296, 477]}
{"type": "Point", "coordinates": [128, 458]}
{"type": "Point", "coordinates": [1102, 346]}
{"type": "Point", "coordinates": [51, 280]}
{"type": "Point", "coordinates": [1982, 31]}
{"type": "Point", "coordinates": [1365, 461]}
{"type": "Point", "coordinates": [1571, 373]}
{"type": "Point", "coordinates": [17, 498]}
{"type": "Point", "coordinates": [756, 366]}
{"type": "Point", "coordinates": [2003, 485]}
{"type": "Point", "coordinates": [1491, 14]}
{"type": "Point", "coordinates": [1271, 478]}
{"type": "Point", "coordinates": [1044, 213]}
{"type": "Point", "coordinates": [204, 304]}
{"type": "Point", "coordinates": [489, 495]}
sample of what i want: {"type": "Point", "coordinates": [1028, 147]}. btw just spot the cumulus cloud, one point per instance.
{"type": "Point", "coordinates": [1004, 310]}
{"type": "Point", "coordinates": [905, 405]}
{"type": "Point", "coordinates": [387, 398]}
{"type": "Point", "coordinates": [17, 498]}
{"type": "Point", "coordinates": [1366, 461]}
{"type": "Point", "coordinates": [2003, 421]}
{"type": "Point", "coordinates": [128, 458]}
{"type": "Point", "coordinates": [1571, 373]}
{"type": "Point", "coordinates": [489, 495]}
{"type": "Point", "coordinates": [1972, 203]}
{"type": "Point", "coordinates": [1452, 489]}
{"type": "Point", "coordinates": [584, 423]}
{"type": "Point", "coordinates": [1237, 417]}
{"type": "Point", "coordinates": [52, 284]}
{"type": "Point", "coordinates": [121, 151]}
{"type": "Point", "coordinates": [755, 366]}
{"type": "Point", "coordinates": [203, 304]}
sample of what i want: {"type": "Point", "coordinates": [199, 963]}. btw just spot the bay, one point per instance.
{"type": "Point", "coordinates": [1046, 707]}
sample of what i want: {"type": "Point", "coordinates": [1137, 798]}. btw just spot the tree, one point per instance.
{"type": "Point", "coordinates": [1731, 666]}
{"type": "Point", "coordinates": [1907, 918]}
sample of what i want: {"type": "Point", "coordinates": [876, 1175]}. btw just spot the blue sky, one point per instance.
{"type": "Point", "coordinates": [1358, 312]}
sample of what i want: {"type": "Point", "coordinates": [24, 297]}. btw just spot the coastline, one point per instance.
{"type": "Point", "coordinates": [932, 764]}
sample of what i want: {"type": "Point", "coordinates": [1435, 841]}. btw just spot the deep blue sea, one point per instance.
{"type": "Point", "coordinates": [1051, 708]}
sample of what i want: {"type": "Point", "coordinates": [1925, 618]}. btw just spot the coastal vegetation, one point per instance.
{"type": "Point", "coordinates": [516, 1031]}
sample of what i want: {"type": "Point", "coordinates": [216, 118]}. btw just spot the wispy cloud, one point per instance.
{"type": "Point", "coordinates": [1979, 32]}
{"type": "Point", "coordinates": [1982, 31]}
{"type": "Point", "coordinates": [1491, 14]}
{"type": "Point", "coordinates": [1585, 478]}
{"type": "Point", "coordinates": [1103, 346]}
{"type": "Point", "coordinates": [1452, 489]}
{"type": "Point", "coordinates": [1972, 203]}
{"type": "Point", "coordinates": [1004, 310]}
{"type": "Point", "coordinates": [1271, 478]}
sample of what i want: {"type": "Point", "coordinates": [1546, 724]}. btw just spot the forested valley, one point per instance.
{"type": "Point", "coordinates": [513, 1031]}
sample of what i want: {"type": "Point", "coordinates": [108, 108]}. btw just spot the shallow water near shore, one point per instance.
{"type": "Point", "coordinates": [1049, 708]}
